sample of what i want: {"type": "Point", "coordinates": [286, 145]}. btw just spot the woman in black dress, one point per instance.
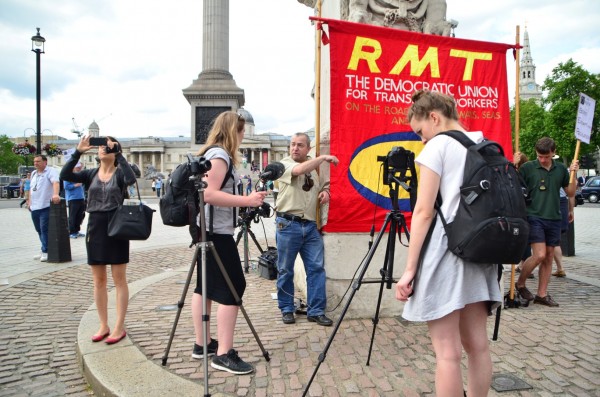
{"type": "Point", "coordinates": [106, 187]}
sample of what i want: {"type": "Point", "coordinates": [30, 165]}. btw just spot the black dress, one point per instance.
{"type": "Point", "coordinates": [103, 199]}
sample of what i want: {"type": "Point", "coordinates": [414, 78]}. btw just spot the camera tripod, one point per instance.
{"type": "Point", "coordinates": [244, 225]}
{"type": "Point", "coordinates": [201, 249]}
{"type": "Point", "coordinates": [395, 219]}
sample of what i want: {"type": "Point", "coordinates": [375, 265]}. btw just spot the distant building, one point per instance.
{"type": "Point", "coordinates": [166, 153]}
{"type": "Point", "coordinates": [528, 87]}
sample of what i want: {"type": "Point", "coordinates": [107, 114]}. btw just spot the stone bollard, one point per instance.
{"type": "Point", "coordinates": [567, 241]}
{"type": "Point", "coordinates": [59, 245]}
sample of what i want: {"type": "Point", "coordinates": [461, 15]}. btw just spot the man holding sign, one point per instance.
{"type": "Point", "coordinates": [544, 177]}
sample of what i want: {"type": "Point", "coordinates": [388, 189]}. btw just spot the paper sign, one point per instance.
{"type": "Point", "coordinates": [585, 116]}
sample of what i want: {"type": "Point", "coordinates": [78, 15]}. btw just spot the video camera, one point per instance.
{"type": "Point", "coordinates": [397, 161]}
{"type": "Point", "coordinates": [399, 167]}
{"type": "Point", "coordinates": [248, 214]}
{"type": "Point", "coordinates": [271, 172]}
{"type": "Point", "coordinates": [198, 165]}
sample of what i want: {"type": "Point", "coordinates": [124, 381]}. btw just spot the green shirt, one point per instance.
{"type": "Point", "coordinates": [544, 188]}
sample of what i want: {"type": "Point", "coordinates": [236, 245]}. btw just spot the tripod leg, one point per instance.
{"type": "Point", "coordinates": [180, 305]}
{"type": "Point", "coordinates": [238, 299]}
{"type": "Point", "coordinates": [239, 235]}
{"type": "Point", "coordinates": [255, 241]}
{"type": "Point", "coordinates": [355, 287]}
{"type": "Point", "coordinates": [386, 278]}
{"type": "Point", "coordinates": [246, 254]}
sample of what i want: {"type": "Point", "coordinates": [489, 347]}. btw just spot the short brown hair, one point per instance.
{"type": "Point", "coordinates": [545, 145]}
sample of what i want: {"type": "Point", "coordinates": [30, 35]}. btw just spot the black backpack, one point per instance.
{"type": "Point", "coordinates": [491, 222]}
{"type": "Point", "coordinates": [180, 204]}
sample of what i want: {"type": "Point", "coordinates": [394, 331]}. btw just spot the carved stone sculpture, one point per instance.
{"type": "Point", "coordinates": [425, 16]}
{"type": "Point", "coordinates": [152, 172]}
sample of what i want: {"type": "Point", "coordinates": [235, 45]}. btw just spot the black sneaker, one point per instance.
{"type": "Point", "coordinates": [198, 352]}
{"type": "Point", "coordinates": [232, 363]}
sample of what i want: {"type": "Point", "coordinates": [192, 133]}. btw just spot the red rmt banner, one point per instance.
{"type": "Point", "coordinates": [374, 72]}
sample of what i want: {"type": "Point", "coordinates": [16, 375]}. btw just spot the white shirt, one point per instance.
{"type": "Point", "coordinates": [41, 189]}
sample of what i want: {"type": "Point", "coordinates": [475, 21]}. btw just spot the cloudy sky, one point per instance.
{"type": "Point", "coordinates": [124, 63]}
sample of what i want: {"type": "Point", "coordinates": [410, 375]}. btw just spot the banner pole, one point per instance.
{"type": "Point", "coordinates": [517, 91]}
{"type": "Point", "coordinates": [511, 291]}
{"type": "Point", "coordinates": [318, 98]}
{"type": "Point", "coordinates": [318, 84]}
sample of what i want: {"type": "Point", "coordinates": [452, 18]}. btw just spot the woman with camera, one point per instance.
{"type": "Point", "coordinates": [453, 296]}
{"type": "Point", "coordinates": [221, 149]}
{"type": "Point", "coordinates": [106, 187]}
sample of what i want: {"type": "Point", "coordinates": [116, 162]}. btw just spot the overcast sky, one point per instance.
{"type": "Point", "coordinates": [124, 63]}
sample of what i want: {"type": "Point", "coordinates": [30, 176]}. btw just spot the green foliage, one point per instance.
{"type": "Point", "coordinates": [531, 126]}
{"type": "Point", "coordinates": [563, 86]}
{"type": "Point", "coordinates": [557, 116]}
{"type": "Point", "coordinates": [9, 162]}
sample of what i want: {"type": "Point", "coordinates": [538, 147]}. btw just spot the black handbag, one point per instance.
{"type": "Point", "coordinates": [131, 222]}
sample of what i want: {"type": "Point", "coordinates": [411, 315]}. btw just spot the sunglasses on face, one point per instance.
{"type": "Point", "coordinates": [308, 183]}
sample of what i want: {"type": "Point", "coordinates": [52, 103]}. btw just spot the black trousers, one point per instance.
{"type": "Point", "coordinates": [76, 215]}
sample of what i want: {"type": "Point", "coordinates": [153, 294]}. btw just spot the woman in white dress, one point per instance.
{"type": "Point", "coordinates": [453, 296]}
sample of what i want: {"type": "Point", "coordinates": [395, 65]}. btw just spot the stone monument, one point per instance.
{"type": "Point", "coordinates": [214, 91]}
{"type": "Point", "coordinates": [344, 250]}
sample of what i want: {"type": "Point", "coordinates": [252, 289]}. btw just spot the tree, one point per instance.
{"type": "Point", "coordinates": [563, 86]}
{"type": "Point", "coordinates": [9, 162]}
{"type": "Point", "coordinates": [531, 126]}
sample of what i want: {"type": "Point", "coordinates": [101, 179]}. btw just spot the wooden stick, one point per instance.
{"type": "Point", "coordinates": [318, 84]}
{"type": "Point", "coordinates": [318, 99]}
{"type": "Point", "coordinates": [575, 157]}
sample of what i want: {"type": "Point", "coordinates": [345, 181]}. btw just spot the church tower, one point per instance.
{"type": "Point", "coordinates": [528, 88]}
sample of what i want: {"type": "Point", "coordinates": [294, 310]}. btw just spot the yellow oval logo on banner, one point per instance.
{"type": "Point", "coordinates": [366, 170]}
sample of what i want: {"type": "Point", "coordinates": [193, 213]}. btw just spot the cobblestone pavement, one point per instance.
{"type": "Point", "coordinates": [556, 351]}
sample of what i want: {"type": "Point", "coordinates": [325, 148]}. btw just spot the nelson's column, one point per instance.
{"type": "Point", "coordinates": [214, 91]}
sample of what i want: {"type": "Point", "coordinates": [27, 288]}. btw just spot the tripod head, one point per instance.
{"type": "Point", "coordinates": [399, 171]}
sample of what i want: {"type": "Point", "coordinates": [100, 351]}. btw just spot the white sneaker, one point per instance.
{"type": "Point", "coordinates": [38, 256]}
{"type": "Point", "coordinates": [44, 257]}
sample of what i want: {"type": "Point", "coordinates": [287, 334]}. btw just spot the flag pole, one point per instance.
{"type": "Point", "coordinates": [517, 91]}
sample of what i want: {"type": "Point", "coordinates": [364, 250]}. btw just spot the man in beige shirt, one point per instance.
{"type": "Point", "coordinates": [300, 191]}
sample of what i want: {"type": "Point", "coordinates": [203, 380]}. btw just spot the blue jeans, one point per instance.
{"type": "Point", "coordinates": [40, 222]}
{"type": "Point", "coordinates": [304, 238]}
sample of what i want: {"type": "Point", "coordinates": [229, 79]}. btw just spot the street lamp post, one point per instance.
{"type": "Point", "coordinates": [25, 131]}
{"type": "Point", "coordinates": [37, 46]}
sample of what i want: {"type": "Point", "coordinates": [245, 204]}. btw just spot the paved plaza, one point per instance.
{"type": "Point", "coordinates": [47, 317]}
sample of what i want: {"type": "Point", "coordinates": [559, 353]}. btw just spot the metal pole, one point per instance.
{"type": "Point", "coordinates": [39, 101]}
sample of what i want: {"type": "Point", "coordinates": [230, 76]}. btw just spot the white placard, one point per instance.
{"type": "Point", "coordinates": [585, 116]}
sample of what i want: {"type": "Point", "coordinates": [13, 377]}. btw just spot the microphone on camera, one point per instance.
{"type": "Point", "coordinates": [272, 171]}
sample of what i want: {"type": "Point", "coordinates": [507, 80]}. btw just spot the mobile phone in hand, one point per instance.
{"type": "Point", "coordinates": [98, 141]}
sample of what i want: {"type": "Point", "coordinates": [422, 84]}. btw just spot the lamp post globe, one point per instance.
{"type": "Point", "coordinates": [37, 46]}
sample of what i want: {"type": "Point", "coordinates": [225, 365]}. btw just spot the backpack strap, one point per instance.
{"type": "Point", "coordinates": [467, 143]}
{"type": "Point", "coordinates": [460, 137]}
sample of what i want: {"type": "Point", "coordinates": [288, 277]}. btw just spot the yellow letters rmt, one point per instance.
{"type": "Point", "coordinates": [369, 50]}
